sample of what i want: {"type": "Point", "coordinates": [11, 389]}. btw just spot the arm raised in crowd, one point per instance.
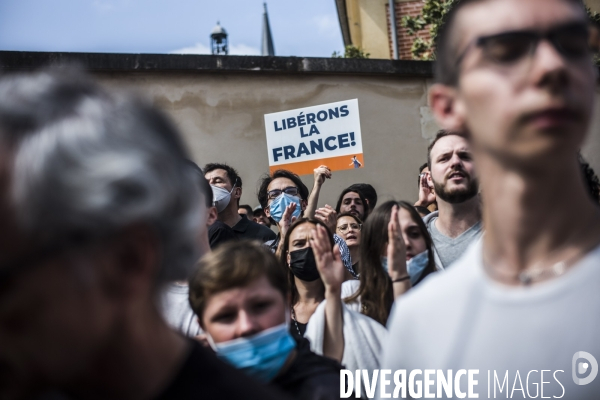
{"type": "Point", "coordinates": [396, 253]}
{"type": "Point", "coordinates": [426, 193]}
{"type": "Point", "coordinates": [320, 175]}
{"type": "Point", "coordinates": [332, 274]}
{"type": "Point", "coordinates": [286, 221]}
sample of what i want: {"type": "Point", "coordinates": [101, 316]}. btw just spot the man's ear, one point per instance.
{"type": "Point", "coordinates": [447, 108]}
{"type": "Point", "coordinates": [267, 211]}
{"type": "Point", "coordinates": [212, 215]}
{"type": "Point", "coordinates": [237, 192]}
{"type": "Point", "coordinates": [430, 181]}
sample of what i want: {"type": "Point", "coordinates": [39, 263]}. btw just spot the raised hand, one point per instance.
{"type": "Point", "coordinates": [329, 262]}
{"type": "Point", "coordinates": [328, 216]}
{"type": "Point", "coordinates": [287, 219]}
{"type": "Point", "coordinates": [426, 193]}
{"type": "Point", "coordinates": [320, 174]}
{"type": "Point", "coordinates": [396, 249]}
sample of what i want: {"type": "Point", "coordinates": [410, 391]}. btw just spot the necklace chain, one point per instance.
{"type": "Point", "coordinates": [295, 322]}
{"type": "Point", "coordinates": [527, 277]}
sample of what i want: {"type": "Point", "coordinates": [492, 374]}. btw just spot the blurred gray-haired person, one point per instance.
{"type": "Point", "coordinates": [97, 208]}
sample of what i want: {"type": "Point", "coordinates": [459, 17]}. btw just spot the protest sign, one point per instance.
{"type": "Point", "coordinates": [300, 140]}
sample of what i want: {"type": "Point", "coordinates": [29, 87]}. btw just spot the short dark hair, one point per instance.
{"type": "Point", "coordinates": [247, 208]}
{"type": "Point", "coordinates": [263, 197]}
{"type": "Point", "coordinates": [441, 134]}
{"type": "Point", "coordinates": [259, 212]}
{"type": "Point", "coordinates": [360, 195]}
{"type": "Point", "coordinates": [202, 183]}
{"type": "Point", "coordinates": [233, 265]}
{"type": "Point", "coordinates": [446, 70]}
{"type": "Point", "coordinates": [367, 191]}
{"type": "Point", "coordinates": [232, 174]}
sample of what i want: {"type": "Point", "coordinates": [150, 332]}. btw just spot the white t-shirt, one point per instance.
{"type": "Point", "coordinates": [176, 310]}
{"type": "Point", "coordinates": [464, 320]}
{"type": "Point", "coordinates": [348, 289]}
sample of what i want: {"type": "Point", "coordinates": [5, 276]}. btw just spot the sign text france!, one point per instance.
{"type": "Point", "coordinates": [301, 140]}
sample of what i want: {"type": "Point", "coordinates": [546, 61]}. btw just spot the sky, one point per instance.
{"type": "Point", "coordinates": [306, 28]}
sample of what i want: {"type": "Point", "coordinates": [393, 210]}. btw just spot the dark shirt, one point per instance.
{"type": "Point", "coordinates": [246, 229]}
{"type": "Point", "coordinates": [273, 244]}
{"type": "Point", "coordinates": [297, 329]}
{"type": "Point", "coordinates": [310, 377]}
{"type": "Point", "coordinates": [203, 376]}
{"type": "Point", "coordinates": [218, 233]}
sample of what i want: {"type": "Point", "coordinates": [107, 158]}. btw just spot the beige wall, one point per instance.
{"type": "Point", "coordinates": [594, 5]}
{"type": "Point", "coordinates": [221, 117]}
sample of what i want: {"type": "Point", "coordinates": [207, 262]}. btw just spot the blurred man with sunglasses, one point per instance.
{"type": "Point", "coordinates": [517, 75]}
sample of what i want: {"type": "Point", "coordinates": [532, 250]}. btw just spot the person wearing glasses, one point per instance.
{"type": "Point", "coordinates": [348, 228]}
{"type": "Point", "coordinates": [519, 78]}
{"type": "Point", "coordinates": [284, 196]}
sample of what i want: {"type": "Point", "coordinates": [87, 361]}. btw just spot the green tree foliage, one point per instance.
{"type": "Point", "coordinates": [351, 52]}
{"type": "Point", "coordinates": [431, 18]}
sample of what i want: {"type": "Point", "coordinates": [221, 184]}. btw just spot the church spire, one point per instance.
{"type": "Point", "coordinates": [267, 40]}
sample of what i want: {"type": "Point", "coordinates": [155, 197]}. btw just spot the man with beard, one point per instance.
{"type": "Point", "coordinates": [457, 223]}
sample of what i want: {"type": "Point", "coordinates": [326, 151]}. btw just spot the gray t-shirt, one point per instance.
{"type": "Point", "coordinates": [464, 320]}
{"type": "Point", "coordinates": [448, 249]}
{"type": "Point", "coordinates": [176, 310]}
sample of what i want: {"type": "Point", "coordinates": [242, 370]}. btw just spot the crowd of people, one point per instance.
{"type": "Point", "coordinates": [127, 271]}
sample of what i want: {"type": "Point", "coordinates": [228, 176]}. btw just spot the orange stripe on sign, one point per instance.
{"type": "Point", "coordinates": [334, 164]}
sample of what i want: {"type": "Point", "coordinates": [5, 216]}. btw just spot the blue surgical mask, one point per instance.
{"type": "Point", "coordinates": [260, 356]}
{"type": "Point", "coordinates": [384, 263]}
{"type": "Point", "coordinates": [279, 204]}
{"type": "Point", "coordinates": [416, 265]}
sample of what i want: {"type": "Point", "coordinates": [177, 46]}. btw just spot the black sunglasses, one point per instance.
{"type": "Point", "coordinates": [291, 190]}
{"type": "Point", "coordinates": [572, 41]}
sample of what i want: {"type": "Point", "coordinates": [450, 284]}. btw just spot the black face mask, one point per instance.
{"type": "Point", "coordinates": [303, 265]}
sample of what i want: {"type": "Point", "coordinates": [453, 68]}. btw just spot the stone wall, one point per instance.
{"type": "Point", "coordinates": [218, 103]}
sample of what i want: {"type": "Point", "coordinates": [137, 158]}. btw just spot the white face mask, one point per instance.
{"type": "Point", "coordinates": [221, 197]}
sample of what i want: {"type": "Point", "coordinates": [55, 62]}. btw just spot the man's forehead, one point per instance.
{"type": "Point", "coordinates": [450, 143]}
{"type": "Point", "coordinates": [281, 183]}
{"type": "Point", "coordinates": [216, 173]}
{"type": "Point", "coordinates": [494, 16]}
